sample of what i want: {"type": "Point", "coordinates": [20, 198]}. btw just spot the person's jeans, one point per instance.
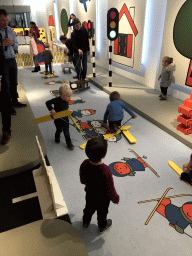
{"type": "Point", "coordinates": [81, 65]}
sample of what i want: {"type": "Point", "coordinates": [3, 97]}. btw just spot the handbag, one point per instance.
{"type": "Point", "coordinates": [2, 55]}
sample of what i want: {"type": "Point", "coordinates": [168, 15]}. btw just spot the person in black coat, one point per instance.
{"type": "Point", "coordinates": [80, 44]}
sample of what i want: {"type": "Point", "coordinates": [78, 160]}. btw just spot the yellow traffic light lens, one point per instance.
{"type": "Point", "coordinates": [112, 24]}
{"type": "Point", "coordinates": [112, 34]}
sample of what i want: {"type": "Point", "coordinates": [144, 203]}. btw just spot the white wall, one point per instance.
{"type": "Point", "coordinates": [180, 63]}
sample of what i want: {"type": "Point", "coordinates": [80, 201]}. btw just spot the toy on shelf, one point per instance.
{"type": "Point", "coordinates": [185, 119]}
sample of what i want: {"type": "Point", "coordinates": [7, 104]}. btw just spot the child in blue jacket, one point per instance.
{"type": "Point", "coordinates": [114, 112]}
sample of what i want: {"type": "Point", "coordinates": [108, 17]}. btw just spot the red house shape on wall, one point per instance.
{"type": "Point", "coordinates": [129, 37]}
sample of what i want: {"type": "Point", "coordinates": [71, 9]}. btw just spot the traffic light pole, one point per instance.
{"type": "Point", "coordinates": [110, 63]}
{"type": "Point", "coordinates": [93, 54]}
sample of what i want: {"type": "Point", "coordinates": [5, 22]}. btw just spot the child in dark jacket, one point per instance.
{"type": "Point", "coordinates": [59, 104]}
{"type": "Point", "coordinates": [99, 183]}
{"type": "Point", "coordinates": [48, 57]}
{"type": "Point", "coordinates": [114, 112]}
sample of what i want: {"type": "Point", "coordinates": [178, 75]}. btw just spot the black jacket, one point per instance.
{"type": "Point", "coordinates": [80, 40]}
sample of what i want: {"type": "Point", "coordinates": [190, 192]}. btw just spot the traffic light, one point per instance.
{"type": "Point", "coordinates": [90, 29]}
{"type": "Point", "coordinates": [112, 24]}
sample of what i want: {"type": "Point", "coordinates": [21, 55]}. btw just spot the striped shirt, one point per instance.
{"type": "Point", "coordinates": [10, 49]}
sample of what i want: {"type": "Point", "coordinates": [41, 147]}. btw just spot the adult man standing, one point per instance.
{"type": "Point", "coordinates": [80, 43]}
{"type": "Point", "coordinates": [9, 93]}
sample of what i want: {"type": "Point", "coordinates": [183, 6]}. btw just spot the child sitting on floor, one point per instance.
{"type": "Point", "coordinates": [59, 104]}
{"type": "Point", "coordinates": [99, 184]}
{"type": "Point", "coordinates": [48, 57]}
{"type": "Point", "coordinates": [114, 112]}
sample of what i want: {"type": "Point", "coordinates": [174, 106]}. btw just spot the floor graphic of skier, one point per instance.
{"type": "Point", "coordinates": [130, 166]}
{"type": "Point", "coordinates": [179, 217]}
{"type": "Point", "coordinates": [127, 168]}
{"type": "Point", "coordinates": [94, 128]}
{"type": "Point", "coordinates": [83, 112]}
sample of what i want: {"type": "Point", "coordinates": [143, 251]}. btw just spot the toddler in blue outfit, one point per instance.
{"type": "Point", "coordinates": [114, 112]}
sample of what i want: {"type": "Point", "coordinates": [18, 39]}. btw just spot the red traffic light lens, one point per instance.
{"type": "Point", "coordinates": [89, 25]}
{"type": "Point", "coordinates": [112, 15]}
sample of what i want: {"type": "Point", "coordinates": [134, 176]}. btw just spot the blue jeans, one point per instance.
{"type": "Point", "coordinates": [81, 65]}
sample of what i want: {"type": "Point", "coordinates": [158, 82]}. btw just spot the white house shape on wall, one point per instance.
{"type": "Point", "coordinates": [124, 45]}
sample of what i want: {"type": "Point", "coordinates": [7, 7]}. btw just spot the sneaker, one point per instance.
{"type": "Point", "coordinates": [5, 138]}
{"type": "Point", "coordinates": [70, 145]}
{"type": "Point", "coordinates": [163, 98]}
{"type": "Point", "coordinates": [160, 95]}
{"type": "Point", "coordinates": [75, 77]}
{"type": "Point", "coordinates": [109, 224]}
{"type": "Point", "coordinates": [85, 226]}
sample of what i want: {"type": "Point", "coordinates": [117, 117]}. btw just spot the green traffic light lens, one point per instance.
{"type": "Point", "coordinates": [112, 34]}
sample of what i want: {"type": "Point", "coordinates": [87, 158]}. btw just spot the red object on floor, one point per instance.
{"type": "Point", "coordinates": [184, 129]}
{"type": "Point", "coordinates": [185, 119]}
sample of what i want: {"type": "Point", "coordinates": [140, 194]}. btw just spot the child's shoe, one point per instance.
{"type": "Point", "coordinates": [109, 224]}
{"type": "Point", "coordinates": [163, 97]}
{"type": "Point", "coordinates": [5, 138]}
{"type": "Point", "coordinates": [85, 226]}
{"type": "Point", "coordinates": [70, 145]}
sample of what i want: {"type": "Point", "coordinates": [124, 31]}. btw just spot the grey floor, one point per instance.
{"type": "Point", "coordinates": [129, 235]}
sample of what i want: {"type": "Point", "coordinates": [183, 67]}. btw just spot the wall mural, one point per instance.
{"type": "Point", "coordinates": [84, 3]}
{"type": "Point", "coordinates": [64, 21]}
{"type": "Point", "coordinates": [182, 35]}
{"type": "Point", "coordinates": [124, 45]}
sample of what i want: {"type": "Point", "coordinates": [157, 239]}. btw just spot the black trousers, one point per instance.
{"type": "Point", "coordinates": [112, 124]}
{"type": "Point", "coordinates": [8, 93]}
{"type": "Point", "coordinates": [6, 107]}
{"type": "Point", "coordinates": [164, 90]}
{"type": "Point", "coordinates": [93, 204]}
{"type": "Point", "coordinates": [81, 65]}
{"type": "Point", "coordinates": [62, 126]}
{"type": "Point", "coordinates": [9, 79]}
{"type": "Point", "coordinates": [48, 65]}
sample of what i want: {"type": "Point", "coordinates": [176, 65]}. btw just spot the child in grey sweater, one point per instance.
{"type": "Point", "coordinates": [165, 76]}
{"type": "Point", "coordinates": [48, 57]}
